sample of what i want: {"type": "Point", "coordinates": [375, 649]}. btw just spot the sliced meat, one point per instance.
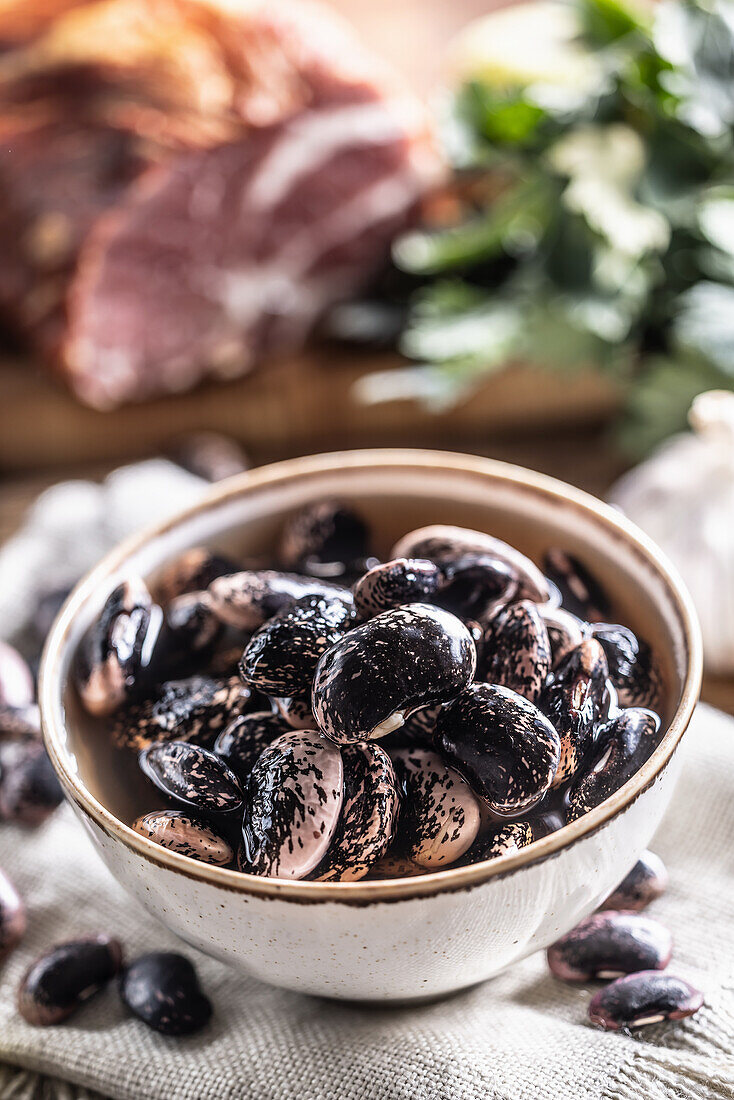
{"type": "Point", "coordinates": [194, 186]}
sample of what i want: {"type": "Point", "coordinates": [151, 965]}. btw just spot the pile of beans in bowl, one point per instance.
{"type": "Point", "coordinates": [327, 715]}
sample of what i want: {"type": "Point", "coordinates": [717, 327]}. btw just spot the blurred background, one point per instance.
{"type": "Point", "coordinates": [237, 232]}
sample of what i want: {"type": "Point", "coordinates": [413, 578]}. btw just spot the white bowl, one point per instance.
{"type": "Point", "coordinates": [419, 937]}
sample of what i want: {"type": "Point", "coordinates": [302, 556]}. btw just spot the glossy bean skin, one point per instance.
{"type": "Point", "coordinates": [512, 627]}
{"type": "Point", "coordinates": [608, 945]}
{"type": "Point", "coordinates": [442, 542]}
{"type": "Point", "coordinates": [195, 709]}
{"type": "Point", "coordinates": [404, 659]}
{"type": "Point", "coordinates": [162, 989]}
{"type": "Point", "coordinates": [189, 633]}
{"type": "Point", "coordinates": [368, 817]}
{"type": "Point", "coordinates": [111, 658]}
{"type": "Point", "coordinates": [248, 599]}
{"type": "Point", "coordinates": [502, 744]}
{"type": "Point", "coordinates": [243, 741]}
{"type": "Point", "coordinates": [631, 666]}
{"type": "Point", "coordinates": [395, 584]}
{"type": "Point", "coordinates": [440, 815]}
{"type": "Point", "coordinates": [638, 1000]}
{"type": "Point", "coordinates": [192, 775]}
{"type": "Point", "coordinates": [281, 657]}
{"type": "Point", "coordinates": [501, 841]}
{"type": "Point", "coordinates": [622, 746]}
{"type": "Point", "coordinates": [565, 631]}
{"type": "Point", "coordinates": [517, 651]}
{"type": "Point", "coordinates": [581, 592]}
{"type": "Point", "coordinates": [296, 713]}
{"type": "Point", "coordinates": [573, 702]}
{"type": "Point", "coordinates": [181, 832]}
{"type": "Point", "coordinates": [544, 819]}
{"type": "Point", "coordinates": [293, 800]}
{"type": "Point", "coordinates": [476, 585]}
{"type": "Point", "coordinates": [643, 884]}
{"type": "Point", "coordinates": [58, 982]}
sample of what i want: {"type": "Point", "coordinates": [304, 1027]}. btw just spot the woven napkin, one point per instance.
{"type": "Point", "coordinates": [521, 1036]}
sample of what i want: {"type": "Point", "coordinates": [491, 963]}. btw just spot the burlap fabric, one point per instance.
{"type": "Point", "coordinates": [523, 1036]}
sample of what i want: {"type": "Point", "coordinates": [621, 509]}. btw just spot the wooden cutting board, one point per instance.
{"type": "Point", "coordinates": [301, 404]}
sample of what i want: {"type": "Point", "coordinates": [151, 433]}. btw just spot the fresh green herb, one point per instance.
{"type": "Point", "coordinates": [596, 220]}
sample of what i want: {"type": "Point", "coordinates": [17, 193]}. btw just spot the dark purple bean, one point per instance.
{"type": "Point", "coordinates": [502, 841]}
{"type": "Point", "coordinates": [368, 817]}
{"type": "Point", "coordinates": [609, 708]}
{"type": "Point", "coordinates": [195, 709]}
{"type": "Point", "coordinates": [395, 584]}
{"type": "Point", "coordinates": [296, 713]}
{"type": "Point", "coordinates": [443, 543]}
{"type": "Point", "coordinates": [192, 775]}
{"type": "Point", "coordinates": [440, 815]}
{"type": "Point", "coordinates": [281, 657]}
{"type": "Point", "coordinates": [292, 806]}
{"type": "Point", "coordinates": [631, 666]}
{"type": "Point", "coordinates": [647, 881]}
{"type": "Point", "coordinates": [609, 944]}
{"type": "Point", "coordinates": [501, 743]}
{"type": "Point", "coordinates": [248, 599]}
{"type": "Point", "coordinates": [325, 539]}
{"type": "Point", "coordinates": [565, 631]}
{"type": "Point", "coordinates": [622, 746]}
{"type": "Point", "coordinates": [162, 989]}
{"type": "Point", "coordinates": [12, 917]}
{"type": "Point", "coordinates": [581, 592]}
{"type": "Point", "coordinates": [117, 648]}
{"type": "Point", "coordinates": [180, 832]}
{"type": "Point", "coordinates": [573, 702]}
{"type": "Point", "coordinates": [29, 788]}
{"type": "Point", "coordinates": [190, 632]}
{"type": "Point", "coordinates": [517, 652]}
{"type": "Point", "coordinates": [545, 821]}
{"type": "Point", "coordinates": [246, 738]}
{"type": "Point", "coordinates": [370, 681]}
{"type": "Point", "coordinates": [57, 983]}
{"type": "Point", "coordinates": [648, 997]}
{"type": "Point", "coordinates": [476, 585]}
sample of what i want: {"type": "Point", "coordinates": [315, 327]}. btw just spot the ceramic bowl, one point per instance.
{"type": "Point", "coordinates": [399, 939]}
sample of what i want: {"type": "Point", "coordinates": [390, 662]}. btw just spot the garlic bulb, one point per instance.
{"type": "Point", "coordinates": [683, 497]}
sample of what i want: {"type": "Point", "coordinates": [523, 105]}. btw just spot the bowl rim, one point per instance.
{"type": "Point", "coordinates": [378, 890]}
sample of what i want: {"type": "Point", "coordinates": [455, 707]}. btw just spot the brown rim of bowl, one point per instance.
{"type": "Point", "coordinates": [361, 892]}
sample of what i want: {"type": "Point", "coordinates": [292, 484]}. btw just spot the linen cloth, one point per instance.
{"type": "Point", "coordinates": [521, 1036]}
